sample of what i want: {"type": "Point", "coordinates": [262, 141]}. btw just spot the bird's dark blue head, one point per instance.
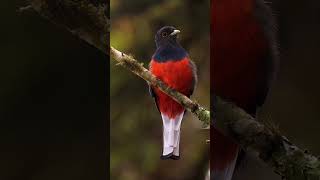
{"type": "Point", "coordinates": [166, 35]}
{"type": "Point", "coordinates": [168, 47]}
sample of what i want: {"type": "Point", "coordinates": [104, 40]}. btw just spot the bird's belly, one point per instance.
{"type": "Point", "coordinates": [177, 75]}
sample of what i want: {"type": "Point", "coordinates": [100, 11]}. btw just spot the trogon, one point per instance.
{"type": "Point", "coordinates": [171, 64]}
{"type": "Point", "coordinates": [243, 59]}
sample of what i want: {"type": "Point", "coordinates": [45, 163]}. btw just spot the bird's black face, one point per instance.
{"type": "Point", "coordinates": [166, 35]}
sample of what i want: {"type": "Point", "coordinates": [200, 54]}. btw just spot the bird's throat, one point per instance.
{"type": "Point", "coordinates": [169, 53]}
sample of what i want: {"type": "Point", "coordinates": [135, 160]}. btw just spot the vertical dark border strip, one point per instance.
{"type": "Point", "coordinates": [54, 101]}
{"type": "Point", "coordinates": [211, 88]}
{"type": "Point", "coordinates": [107, 125]}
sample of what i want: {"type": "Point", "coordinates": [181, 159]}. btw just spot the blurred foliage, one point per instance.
{"type": "Point", "coordinates": [136, 126]}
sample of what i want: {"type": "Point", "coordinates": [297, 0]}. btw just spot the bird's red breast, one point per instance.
{"type": "Point", "coordinates": [177, 75]}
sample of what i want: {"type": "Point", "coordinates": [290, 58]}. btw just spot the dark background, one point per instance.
{"type": "Point", "coordinates": [294, 99]}
{"type": "Point", "coordinates": [53, 94]}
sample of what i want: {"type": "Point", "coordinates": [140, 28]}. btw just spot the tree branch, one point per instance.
{"type": "Point", "coordinates": [276, 150]}
{"type": "Point", "coordinates": [89, 21]}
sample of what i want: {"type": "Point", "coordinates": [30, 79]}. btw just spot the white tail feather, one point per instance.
{"type": "Point", "coordinates": [171, 134]}
{"type": "Point", "coordinates": [176, 149]}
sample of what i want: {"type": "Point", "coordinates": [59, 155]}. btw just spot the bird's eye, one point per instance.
{"type": "Point", "coordinates": [164, 34]}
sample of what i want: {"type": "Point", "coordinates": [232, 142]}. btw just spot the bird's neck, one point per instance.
{"type": "Point", "coordinates": [169, 52]}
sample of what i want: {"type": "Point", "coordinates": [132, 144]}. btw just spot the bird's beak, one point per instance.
{"type": "Point", "coordinates": [175, 32]}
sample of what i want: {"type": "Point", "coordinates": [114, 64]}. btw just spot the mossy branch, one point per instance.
{"type": "Point", "coordinates": [89, 20]}
{"type": "Point", "coordinates": [276, 150]}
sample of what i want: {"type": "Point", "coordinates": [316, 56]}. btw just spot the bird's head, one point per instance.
{"type": "Point", "coordinates": [166, 35]}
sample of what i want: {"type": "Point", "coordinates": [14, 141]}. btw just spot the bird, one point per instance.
{"type": "Point", "coordinates": [171, 64]}
{"type": "Point", "coordinates": [244, 60]}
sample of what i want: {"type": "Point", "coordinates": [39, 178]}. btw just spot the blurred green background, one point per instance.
{"type": "Point", "coordinates": [136, 126]}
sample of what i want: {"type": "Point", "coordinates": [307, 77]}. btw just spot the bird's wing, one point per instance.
{"type": "Point", "coordinates": [194, 76]}
{"type": "Point", "coordinates": [263, 84]}
{"type": "Point", "coordinates": [269, 67]}
{"type": "Point", "coordinates": [153, 94]}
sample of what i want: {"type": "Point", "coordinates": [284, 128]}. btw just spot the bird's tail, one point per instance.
{"type": "Point", "coordinates": [171, 136]}
{"type": "Point", "coordinates": [224, 156]}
